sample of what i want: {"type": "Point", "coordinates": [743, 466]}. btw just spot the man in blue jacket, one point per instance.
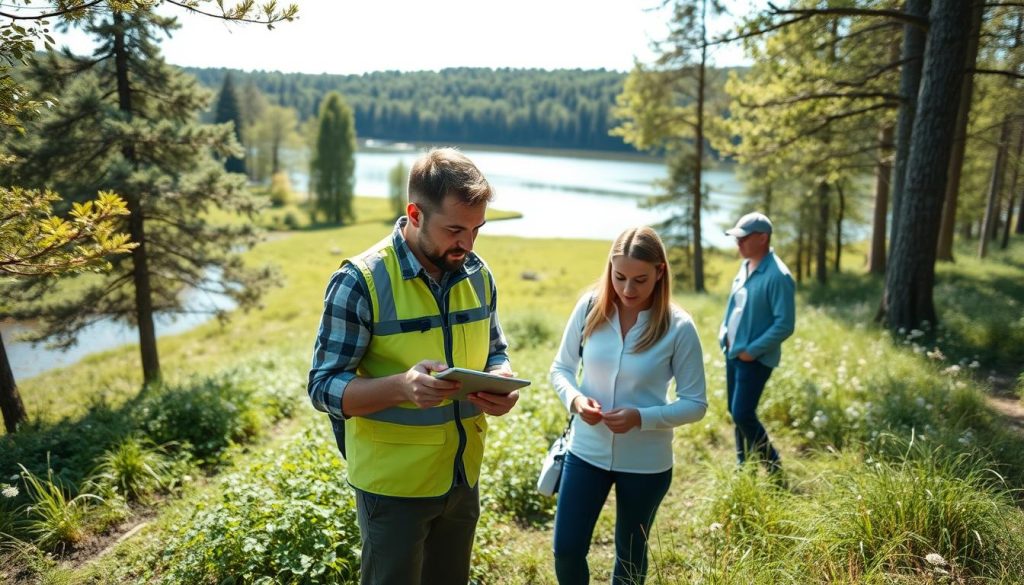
{"type": "Point", "coordinates": [760, 315]}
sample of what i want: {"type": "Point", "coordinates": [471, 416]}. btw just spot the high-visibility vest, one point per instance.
{"type": "Point", "coordinates": [405, 450]}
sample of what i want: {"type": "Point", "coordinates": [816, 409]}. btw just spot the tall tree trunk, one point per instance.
{"type": "Point", "coordinates": [995, 188]}
{"type": "Point", "coordinates": [821, 245]}
{"type": "Point", "coordinates": [10, 399]}
{"type": "Point", "coordinates": [839, 227]}
{"type": "Point", "coordinates": [136, 224]}
{"type": "Point", "coordinates": [883, 175]}
{"type": "Point", "coordinates": [1013, 188]}
{"type": "Point", "coordinates": [910, 83]}
{"type": "Point", "coordinates": [910, 280]}
{"type": "Point", "coordinates": [956, 161]}
{"type": "Point", "coordinates": [698, 187]}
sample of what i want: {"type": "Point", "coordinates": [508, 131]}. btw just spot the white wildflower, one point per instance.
{"type": "Point", "coordinates": [810, 435]}
{"type": "Point", "coordinates": [935, 559]}
{"type": "Point", "coordinates": [820, 419]}
{"type": "Point", "coordinates": [936, 354]}
{"type": "Point", "coordinates": [715, 527]}
{"type": "Point", "coordinates": [10, 491]}
{"type": "Point", "coordinates": [974, 365]}
{"type": "Point", "coordinates": [915, 333]}
{"type": "Point", "coordinates": [952, 370]}
{"type": "Point", "coordinates": [862, 362]}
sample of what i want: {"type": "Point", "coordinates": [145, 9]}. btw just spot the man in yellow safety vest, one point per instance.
{"type": "Point", "coordinates": [417, 302]}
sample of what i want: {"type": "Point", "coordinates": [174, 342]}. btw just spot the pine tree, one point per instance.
{"type": "Point", "coordinates": [228, 109]}
{"type": "Point", "coordinates": [332, 169]}
{"type": "Point", "coordinates": [127, 123]}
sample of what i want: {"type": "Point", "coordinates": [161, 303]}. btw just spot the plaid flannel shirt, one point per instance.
{"type": "Point", "coordinates": [347, 325]}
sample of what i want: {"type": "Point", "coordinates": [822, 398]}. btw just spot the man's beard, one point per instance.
{"type": "Point", "coordinates": [441, 260]}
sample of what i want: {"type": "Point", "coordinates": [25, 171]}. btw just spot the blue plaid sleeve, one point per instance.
{"type": "Point", "coordinates": [341, 340]}
{"type": "Point", "coordinates": [498, 353]}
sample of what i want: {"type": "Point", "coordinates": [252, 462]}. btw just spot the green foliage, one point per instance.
{"type": "Point", "coordinates": [55, 517]}
{"type": "Point", "coordinates": [529, 330]}
{"type": "Point", "coordinates": [332, 168]}
{"type": "Point", "coordinates": [135, 468]}
{"type": "Point", "coordinates": [530, 108]}
{"type": "Point", "coordinates": [267, 137]}
{"type": "Point", "coordinates": [228, 110]}
{"type": "Point", "coordinates": [280, 190]}
{"type": "Point", "coordinates": [287, 518]}
{"type": "Point", "coordinates": [515, 449]}
{"type": "Point", "coordinates": [161, 162]}
{"type": "Point", "coordinates": [34, 241]}
{"type": "Point", "coordinates": [210, 413]}
{"type": "Point", "coordinates": [398, 177]}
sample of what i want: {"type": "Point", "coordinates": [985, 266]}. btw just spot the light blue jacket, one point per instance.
{"type": "Point", "coordinates": [769, 314]}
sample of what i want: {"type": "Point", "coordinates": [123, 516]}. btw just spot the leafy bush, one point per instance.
{"type": "Point", "coordinates": [211, 413]}
{"type": "Point", "coordinates": [529, 330]}
{"type": "Point", "coordinates": [280, 189]}
{"type": "Point", "coordinates": [289, 518]}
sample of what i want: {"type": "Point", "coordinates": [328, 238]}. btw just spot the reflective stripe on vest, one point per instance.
{"type": "Point", "coordinates": [408, 451]}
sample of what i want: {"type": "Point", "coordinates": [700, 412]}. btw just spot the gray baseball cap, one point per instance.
{"type": "Point", "coordinates": [751, 223]}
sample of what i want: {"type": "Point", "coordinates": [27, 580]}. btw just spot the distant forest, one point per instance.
{"type": "Point", "coordinates": [569, 109]}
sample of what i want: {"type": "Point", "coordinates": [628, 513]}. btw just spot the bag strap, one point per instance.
{"type": "Point", "coordinates": [590, 305]}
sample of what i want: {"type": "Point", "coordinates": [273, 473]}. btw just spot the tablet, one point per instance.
{"type": "Point", "coordinates": [476, 381]}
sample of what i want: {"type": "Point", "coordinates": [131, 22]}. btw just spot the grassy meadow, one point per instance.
{"type": "Point", "coordinates": [900, 471]}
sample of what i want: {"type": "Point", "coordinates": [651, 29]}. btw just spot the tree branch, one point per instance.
{"type": "Point", "coordinates": [826, 95]}
{"type": "Point", "coordinates": [811, 12]}
{"type": "Point", "coordinates": [50, 14]}
{"type": "Point", "coordinates": [1003, 72]}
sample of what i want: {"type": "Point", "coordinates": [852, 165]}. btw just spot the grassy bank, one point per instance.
{"type": "Point", "coordinates": [899, 470]}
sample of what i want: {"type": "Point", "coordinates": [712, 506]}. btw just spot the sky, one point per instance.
{"type": "Point", "coordinates": [358, 36]}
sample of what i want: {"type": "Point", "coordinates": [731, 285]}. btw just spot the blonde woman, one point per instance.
{"type": "Point", "coordinates": [634, 342]}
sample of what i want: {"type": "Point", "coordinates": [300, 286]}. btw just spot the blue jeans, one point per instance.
{"type": "Point", "coordinates": [745, 382]}
{"type": "Point", "coordinates": [581, 496]}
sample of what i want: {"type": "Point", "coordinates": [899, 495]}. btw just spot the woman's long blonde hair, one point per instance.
{"type": "Point", "coordinates": [640, 243]}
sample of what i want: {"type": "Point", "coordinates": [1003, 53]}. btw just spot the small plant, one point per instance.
{"type": "Point", "coordinates": [135, 468]}
{"type": "Point", "coordinates": [55, 518]}
{"type": "Point", "coordinates": [529, 331]}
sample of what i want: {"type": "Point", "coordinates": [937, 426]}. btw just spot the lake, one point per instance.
{"type": "Point", "coordinates": [564, 196]}
{"type": "Point", "coordinates": [558, 196]}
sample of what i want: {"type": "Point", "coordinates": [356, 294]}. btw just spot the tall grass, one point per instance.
{"type": "Point", "coordinates": [55, 517]}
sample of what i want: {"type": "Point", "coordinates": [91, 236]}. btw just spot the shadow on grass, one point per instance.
{"type": "Point", "coordinates": [72, 445]}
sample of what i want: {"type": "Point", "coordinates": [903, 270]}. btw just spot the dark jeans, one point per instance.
{"type": "Point", "coordinates": [414, 541]}
{"type": "Point", "coordinates": [744, 384]}
{"type": "Point", "coordinates": [581, 496]}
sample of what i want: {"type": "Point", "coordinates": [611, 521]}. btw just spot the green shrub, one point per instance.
{"type": "Point", "coordinates": [280, 189]}
{"type": "Point", "coordinates": [210, 413]}
{"type": "Point", "coordinates": [288, 518]}
{"type": "Point", "coordinates": [529, 330]}
{"type": "Point", "coordinates": [205, 416]}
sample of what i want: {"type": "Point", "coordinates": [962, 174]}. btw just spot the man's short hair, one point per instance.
{"type": "Point", "coordinates": [446, 171]}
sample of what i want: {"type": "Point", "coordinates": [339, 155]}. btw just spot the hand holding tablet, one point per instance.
{"type": "Point", "coordinates": [476, 381]}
